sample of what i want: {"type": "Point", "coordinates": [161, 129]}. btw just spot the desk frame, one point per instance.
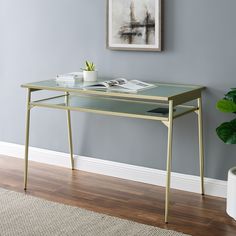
{"type": "Point", "coordinates": [172, 102]}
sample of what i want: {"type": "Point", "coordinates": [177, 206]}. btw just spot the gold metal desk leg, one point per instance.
{"type": "Point", "coordinates": [27, 138]}
{"type": "Point", "coordinates": [70, 133]}
{"type": "Point", "coordinates": [201, 149]}
{"type": "Point", "coordinates": [169, 159]}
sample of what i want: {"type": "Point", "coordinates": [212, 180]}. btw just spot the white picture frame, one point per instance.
{"type": "Point", "coordinates": [134, 25]}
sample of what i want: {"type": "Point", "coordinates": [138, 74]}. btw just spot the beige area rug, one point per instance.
{"type": "Point", "coordinates": [23, 215]}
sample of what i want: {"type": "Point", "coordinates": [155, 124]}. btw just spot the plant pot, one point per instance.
{"type": "Point", "coordinates": [231, 193]}
{"type": "Point", "coordinates": [90, 76]}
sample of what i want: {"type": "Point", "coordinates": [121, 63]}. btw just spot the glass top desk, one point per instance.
{"type": "Point", "coordinates": [171, 97]}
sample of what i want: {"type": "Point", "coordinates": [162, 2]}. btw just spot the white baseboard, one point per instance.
{"type": "Point", "coordinates": [184, 182]}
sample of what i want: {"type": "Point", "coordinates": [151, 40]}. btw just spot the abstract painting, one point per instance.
{"type": "Point", "coordinates": [134, 25]}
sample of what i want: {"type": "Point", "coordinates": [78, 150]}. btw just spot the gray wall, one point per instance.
{"type": "Point", "coordinates": [40, 38]}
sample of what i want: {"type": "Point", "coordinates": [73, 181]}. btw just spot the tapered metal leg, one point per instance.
{"type": "Point", "coordinates": [70, 133]}
{"type": "Point", "coordinates": [27, 138]}
{"type": "Point", "coordinates": [201, 149]}
{"type": "Point", "coordinates": [169, 159]}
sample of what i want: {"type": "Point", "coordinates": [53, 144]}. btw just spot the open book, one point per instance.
{"type": "Point", "coordinates": [120, 84]}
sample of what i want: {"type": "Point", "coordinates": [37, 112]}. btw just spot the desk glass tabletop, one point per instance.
{"type": "Point", "coordinates": [161, 91]}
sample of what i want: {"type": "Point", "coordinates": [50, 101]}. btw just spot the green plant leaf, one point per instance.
{"type": "Point", "coordinates": [227, 132]}
{"type": "Point", "coordinates": [231, 96]}
{"type": "Point", "coordinates": [89, 66]}
{"type": "Point", "coordinates": [226, 106]}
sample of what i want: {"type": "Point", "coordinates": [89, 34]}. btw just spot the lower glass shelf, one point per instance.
{"type": "Point", "coordinates": [112, 106]}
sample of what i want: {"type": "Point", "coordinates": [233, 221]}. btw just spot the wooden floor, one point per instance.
{"type": "Point", "coordinates": [189, 213]}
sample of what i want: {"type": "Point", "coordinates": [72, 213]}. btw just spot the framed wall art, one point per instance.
{"type": "Point", "coordinates": [134, 25]}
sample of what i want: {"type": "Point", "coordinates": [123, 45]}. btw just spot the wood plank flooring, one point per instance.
{"type": "Point", "coordinates": [189, 213]}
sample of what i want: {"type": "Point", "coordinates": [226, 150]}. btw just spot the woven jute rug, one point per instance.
{"type": "Point", "coordinates": [23, 215]}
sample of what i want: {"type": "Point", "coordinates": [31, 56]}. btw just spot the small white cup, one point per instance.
{"type": "Point", "coordinates": [90, 76]}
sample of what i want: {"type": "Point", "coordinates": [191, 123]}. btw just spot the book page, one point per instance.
{"type": "Point", "coordinates": [136, 85]}
{"type": "Point", "coordinates": [115, 82]}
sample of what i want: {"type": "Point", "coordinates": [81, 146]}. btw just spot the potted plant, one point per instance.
{"type": "Point", "coordinates": [89, 72]}
{"type": "Point", "coordinates": [227, 133]}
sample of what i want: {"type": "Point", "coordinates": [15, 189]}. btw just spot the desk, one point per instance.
{"type": "Point", "coordinates": [73, 97]}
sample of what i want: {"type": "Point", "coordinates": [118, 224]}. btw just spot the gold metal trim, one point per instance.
{"type": "Point", "coordinates": [27, 137]}
{"type": "Point", "coordinates": [187, 94]}
{"type": "Point", "coordinates": [70, 133]}
{"type": "Point", "coordinates": [201, 148]}
{"type": "Point", "coordinates": [160, 118]}
{"type": "Point", "coordinates": [169, 159]}
{"type": "Point", "coordinates": [101, 112]}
